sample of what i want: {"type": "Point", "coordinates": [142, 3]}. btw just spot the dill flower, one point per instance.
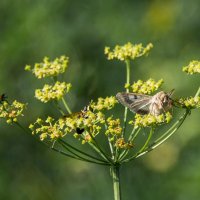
{"type": "Point", "coordinates": [151, 120]}
{"type": "Point", "coordinates": [193, 67]}
{"type": "Point", "coordinates": [122, 144]}
{"type": "Point", "coordinates": [55, 92]}
{"type": "Point", "coordinates": [127, 51]}
{"type": "Point", "coordinates": [49, 68]}
{"type": "Point", "coordinates": [48, 129]}
{"type": "Point", "coordinates": [104, 103]}
{"type": "Point", "coordinates": [86, 121]}
{"type": "Point", "coordinates": [12, 111]}
{"type": "Point", "coordinates": [113, 127]}
{"type": "Point", "coordinates": [146, 87]}
{"type": "Point", "coordinates": [191, 102]}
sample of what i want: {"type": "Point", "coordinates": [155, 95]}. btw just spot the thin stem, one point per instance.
{"type": "Point", "coordinates": [80, 157]}
{"type": "Point", "coordinates": [110, 144]}
{"type": "Point", "coordinates": [127, 90]}
{"type": "Point", "coordinates": [127, 74]}
{"type": "Point", "coordinates": [86, 154]}
{"type": "Point", "coordinates": [66, 106]}
{"type": "Point", "coordinates": [115, 173]}
{"type": "Point", "coordinates": [77, 158]}
{"type": "Point", "coordinates": [147, 141]}
{"type": "Point", "coordinates": [97, 147]}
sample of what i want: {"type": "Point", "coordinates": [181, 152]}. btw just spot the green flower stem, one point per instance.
{"type": "Point", "coordinates": [198, 92]}
{"type": "Point", "coordinates": [127, 74]}
{"type": "Point", "coordinates": [110, 144]}
{"type": "Point", "coordinates": [66, 106]}
{"type": "Point", "coordinates": [97, 148]}
{"type": "Point", "coordinates": [131, 138]}
{"type": "Point", "coordinates": [111, 148]}
{"type": "Point", "coordinates": [127, 90]}
{"type": "Point", "coordinates": [147, 141]}
{"type": "Point", "coordinates": [77, 158]}
{"type": "Point", "coordinates": [86, 154]}
{"type": "Point", "coordinates": [115, 169]}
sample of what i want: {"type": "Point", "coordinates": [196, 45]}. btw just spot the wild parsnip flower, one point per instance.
{"type": "Point", "coordinates": [48, 129]}
{"type": "Point", "coordinates": [12, 111]}
{"type": "Point", "coordinates": [191, 102]}
{"type": "Point", "coordinates": [104, 103]}
{"type": "Point", "coordinates": [49, 68]}
{"type": "Point", "coordinates": [193, 67]}
{"type": "Point", "coordinates": [85, 120]}
{"type": "Point", "coordinates": [151, 120]}
{"type": "Point", "coordinates": [127, 51]}
{"type": "Point", "coordinates": [87, 138]}
{"type": "Point", "coordinates": [122, 144]}
{"type": "Point", "coordinates": [55, 92]}
{"type": "Point", "coordinates": [146, 87]}
{"type": "Point", "coordinates": [113, 127]}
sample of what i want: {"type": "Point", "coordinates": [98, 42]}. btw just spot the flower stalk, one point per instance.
{"type": "Point", "coordinates": [115, 173]}
{"type": "Point", "coordinates": [127, 90]}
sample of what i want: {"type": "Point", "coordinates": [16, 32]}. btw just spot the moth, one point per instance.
{"type": "Point", "coordinates": [145, 104]}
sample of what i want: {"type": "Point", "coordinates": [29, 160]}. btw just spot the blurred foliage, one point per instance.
{"type": "Point", "coordinates": [31, 30]}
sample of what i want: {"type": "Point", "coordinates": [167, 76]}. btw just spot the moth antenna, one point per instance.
{"type": "Point", "coordinates": [171, 92]}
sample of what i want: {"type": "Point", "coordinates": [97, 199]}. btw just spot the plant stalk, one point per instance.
{"type": "Point", "coordinates": [115, 173]}
{"type": "Point", "coordinates": [127, 90]}
{"type": "Point", "coordinates": [66, 106]}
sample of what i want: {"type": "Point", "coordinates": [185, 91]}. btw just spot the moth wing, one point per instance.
{"type": "Point", "coordinates": [137, 103]}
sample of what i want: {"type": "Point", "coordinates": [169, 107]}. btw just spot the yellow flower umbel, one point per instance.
{"type": "Point", "coordinates": [107, 103]}
{"type": "Point", "coordinates": [193, 67]}
{"type": "Point", "coordinates": [122, 144]}
{"type": "Point", "coordinates": [11, 112]}
{"type": "Point", "coordinates": [146, 87]}
{"type": "Point", "coordinates": [85, 124]}
{"type": "Point", "coordinates": [151, 120]}
{"type": "Point", "coordinates": [49, 68]}
{"type": "Point", "coordinates": [127, 51]}
{"type": "Point", "coordinates": [190, 103]}
{"type": "Point", "coordinates": [55, 92]}
{"type": "Point", "coordinates": [113, 127]}
{"type": "Point", "coordinates": [48, 129]}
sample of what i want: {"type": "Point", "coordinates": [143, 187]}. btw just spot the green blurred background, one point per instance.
{"type": "Point", "coordinates": [30, 30]}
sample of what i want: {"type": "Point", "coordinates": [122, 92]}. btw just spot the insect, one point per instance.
{"type": "Point", "coordinates": [82, 114]}
{"type": "Point", "coordinates": [3, 98]}
{"type": "Point", "coordinates": [145, 104]}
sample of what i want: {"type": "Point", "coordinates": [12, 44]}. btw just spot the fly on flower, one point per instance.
{"type": "Point", "coordinates": [78, 115]}
{"type": "Point", "coordinates": [144, 104]}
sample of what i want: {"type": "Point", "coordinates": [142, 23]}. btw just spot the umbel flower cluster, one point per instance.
{"type": "Point", "coordinates": [96, 125]}
{"type": "Point", "coordinates": [193, 67]}
{"type": "Point", "coordinates": [11, 112]}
